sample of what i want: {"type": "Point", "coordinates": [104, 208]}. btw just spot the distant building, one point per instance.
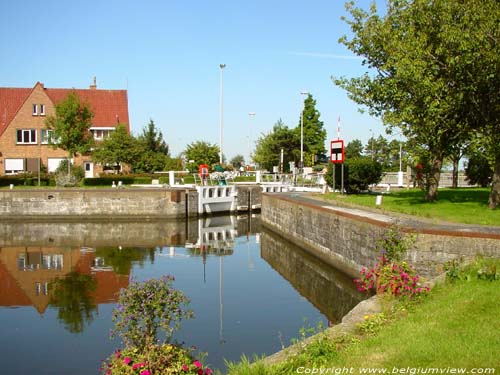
{"type": "Point", "coordinates": [24, 140]}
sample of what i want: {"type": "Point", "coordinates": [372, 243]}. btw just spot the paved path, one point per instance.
{"type": "Point", "coordinates": [384, 218]}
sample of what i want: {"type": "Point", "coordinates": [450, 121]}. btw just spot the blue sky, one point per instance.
{"type": "Point", "coordinates": [167, 54]}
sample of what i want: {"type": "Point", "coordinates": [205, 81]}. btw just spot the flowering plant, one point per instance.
{"type": "Point", "coordinates": [390, 274]}
{"type": "Point", "coordinates": [145, 307]}
{"type": "Point", "coordinates": [158, 359]}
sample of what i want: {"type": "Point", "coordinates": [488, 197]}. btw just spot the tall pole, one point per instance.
{"type": "Point", "coordinates": [251, 115]}
{"type": "Point", "coordinates": [371, 131]}
{"type": "Point", "coordinates": [221, 138]}
{"type": "Point", "coordinates": [302, 133]}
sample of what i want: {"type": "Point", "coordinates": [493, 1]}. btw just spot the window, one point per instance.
{"type": "Point", "coordinates": [42, 109]}
{"type": "Point", "coordinates": [101, 133]}
{"type": "Point", "coordinates": [35, 110]}
{"type": "Point", "coordinates": [47, 136]}
{"type": "Point", "coordinates": [26, 136]}
{"type": "Point", "coordinates": [13, 166]}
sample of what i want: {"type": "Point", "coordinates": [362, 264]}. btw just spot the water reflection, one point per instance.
{"type": "Point", "coordinates": [71, 274]}
{"type": "Point", "coordinates": [332, 292]}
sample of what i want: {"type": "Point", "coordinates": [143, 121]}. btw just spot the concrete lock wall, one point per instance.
{"type": "Point", "coordinates": [348, 243]}
{"type": "Point", "coordinates": [98, 203]}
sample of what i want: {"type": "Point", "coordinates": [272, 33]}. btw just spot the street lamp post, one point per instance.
{"type": "Point", "coordinates": [302, 132]}
{"type": "Point", "coordinates": [251, 115]}
{"type": "Point", "coordinates": [221, 66]}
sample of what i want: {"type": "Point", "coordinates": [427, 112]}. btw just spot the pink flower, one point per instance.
{"type": "Point", "coordinates": [200, 371]}
{"type": "Point", "coordinates": [145, 372]}
{"type": "Point", "coordinates": [197, 364]}
{"type": "Point", "coordinates": [118, 354]}
{"type": "Point", "coordinates": [185, 367]}
{"type": "Point", "coordinates": [127, 360]}
{"type": "Point", "coordinates": [208, 371]}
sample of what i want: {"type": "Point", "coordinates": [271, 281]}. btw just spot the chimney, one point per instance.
{"type": "Point", "coordinates": [94, 85]}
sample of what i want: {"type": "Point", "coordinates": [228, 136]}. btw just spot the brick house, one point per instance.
{"type": "Point", "coordinates": [24, 138]}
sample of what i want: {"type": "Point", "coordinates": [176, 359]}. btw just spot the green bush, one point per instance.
{"type": "Point", "coordinates": [359, 174]}
{"type": "Point", "coordinates": [28, 180]}
{"type": "Point", "coordinates": [108, 180]}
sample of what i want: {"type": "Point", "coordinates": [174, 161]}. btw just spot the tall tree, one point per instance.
{"type": "Point", "coordinates": [152, 138]}
{"type": "Point", "coordinates": [353, 149]}
{"type": "Point", "coordinates": [268, 147]}
{"type": "Point", "coordinates": [314, 133]}
{"type": "Point", "coordinates": [117, 149]}
{"type": "Point", "coordinates": [70, 126]}
{"type": "Point", "coordinates": [423, 55]}
{"type": "Point", "coordinates": [201, 152]}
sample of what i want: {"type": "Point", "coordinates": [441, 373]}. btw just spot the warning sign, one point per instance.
{"type": "Point", "coordinates": [337, 151]}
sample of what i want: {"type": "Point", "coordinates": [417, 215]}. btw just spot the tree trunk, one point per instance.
{"type": "Point", "coordinates": [454, 183]}
{"type": "Point", "coordinates": [495, 185]}
{"type": "Point", "coordinates": [433, 179]}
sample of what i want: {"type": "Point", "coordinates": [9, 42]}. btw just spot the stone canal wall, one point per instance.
{"type": "Point", "coordinates": [346, 239]}
{"type": "Point", "coordinates": [98, 203]}
{"type": "Point", "coordinates": [153, 203]}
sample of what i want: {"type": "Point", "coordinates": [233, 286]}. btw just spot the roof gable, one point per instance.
{"type": "Point", "coordinates": [110, 107]}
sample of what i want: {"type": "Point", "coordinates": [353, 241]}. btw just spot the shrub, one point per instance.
{"type": "Point", "coordinates": [144, 309]}
{"type": "Point", "coordinates": [390, 275]}
{"type": "Point", "coordinates": [359, 174]}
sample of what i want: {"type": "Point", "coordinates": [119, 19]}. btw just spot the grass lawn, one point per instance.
{"type": "Point", "coordinates": [466, 205]}
{"type": "Point", "coordinates": [456, 326]}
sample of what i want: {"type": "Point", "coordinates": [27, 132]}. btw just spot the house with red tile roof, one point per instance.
{"type": "Point", "coordinates": [24, 139]}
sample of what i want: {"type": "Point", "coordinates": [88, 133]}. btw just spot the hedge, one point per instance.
{"type": "Point", "coordinates": [17, 180]}
{"type": "Point", "coordinates": [108, 180]}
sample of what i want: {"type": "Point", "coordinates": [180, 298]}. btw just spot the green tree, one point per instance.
{"type": "Point", "coordinates": [152, 139]}
{"type": "Point", "coordinates": [237, 161]}
{"type": "Point", "coordinates": [424, 56]}
{"type": "Point", "coordinates": [117, 149]}
{"type": "Point", "coordinates": [70, 126]}
{"type": "Point", "coordinates": [359, 174]}
{"type": "Point", "coordinates": [201, 152]}
{"type": "Point", "coordinates": [268, 147]}
{"type": "Point", "coordinates": [314, 133]}
{"type": "Point", "coordinates": [353, 149]}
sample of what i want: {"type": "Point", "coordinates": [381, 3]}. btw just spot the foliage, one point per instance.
{"type": "Point", "coordinates": [391, 275]}
{"type": "Point", "coordinates": [268, 147]}
{"type": "Point", "coordinates": [393, 243]}
{"type": "Point", "coordinates": [117, 149]}
{"type": "Point", "coordinates": [157, 359]}
{"type": "Point", "coordinates": [478, 170]}
{"type": "Point", "coordinates": [359, 174]}
{"type": "Point", "coordinates": [66, 176]}
{"type": "Point", "coordinates": [145, 307]}
{"type": "Point", "coordinates": [314, 133]}
{"type": "Point", "coordinates": [71, 125]}
{"type": "Point", "coordinates": [237, 161]}
{"type": "Point", "coordinates": [154, 155]}
{"type": "Point", "coordinates": [372, 323]}
{"type": "Point", "coordinates": [71, 295]}
{"type": "Point", "coordinates": [353, 149]}
{"type": "Point", "coordinates": [432, 62]}
{"type": "Point", "coordinates": [151, 139]}
{"type": "Point", "coordinates": [125, 180]}
{"type": "Point", "coordinates": [480, 269]}
{"type": "Point", "coordinates": [201, 152]}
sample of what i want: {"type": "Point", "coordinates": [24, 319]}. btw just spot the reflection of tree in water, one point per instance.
{"type": "Point", "coordinates": [72, 296]}
{"type": "Point", "coordinates": [121, 258]}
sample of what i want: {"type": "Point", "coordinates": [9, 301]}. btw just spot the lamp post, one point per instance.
{"type": "Point", "coordinates": [221, 66]}
{"type": "Point", "coordinates": [251, 115]}
{"type": "Point", "coordinates": [302, 132]}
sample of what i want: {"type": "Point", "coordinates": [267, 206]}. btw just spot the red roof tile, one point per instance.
{"type": "Point", "coordinates": [110, 107]}
{"type": "Point", "coordinates": [11, 99]}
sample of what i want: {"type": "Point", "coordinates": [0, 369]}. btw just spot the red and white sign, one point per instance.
{"type": "Point", "coordinates": [337, 151]}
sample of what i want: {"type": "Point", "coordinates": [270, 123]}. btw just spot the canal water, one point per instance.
{"type": "Point", "coordinates": [250, 290]}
